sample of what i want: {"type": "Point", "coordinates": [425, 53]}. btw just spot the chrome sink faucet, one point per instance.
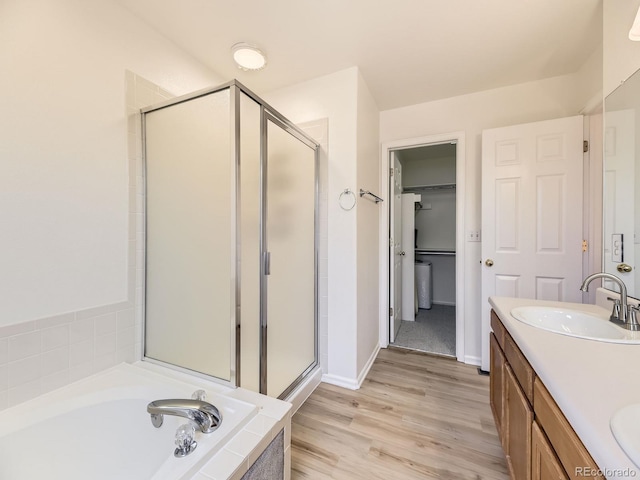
{"type": "Point", "coordinates": [627, 316]}
{"type": "Point", "coordinates": [203, 414]}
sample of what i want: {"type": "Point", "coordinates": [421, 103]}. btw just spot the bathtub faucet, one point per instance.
{"type": "Point", "coordinates": [203, 414]}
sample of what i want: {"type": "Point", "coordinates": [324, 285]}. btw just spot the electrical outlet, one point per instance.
{"type": "Point", "coordinates": [473, 236]}
{"type": "Point", "coordinates": [617, 247]}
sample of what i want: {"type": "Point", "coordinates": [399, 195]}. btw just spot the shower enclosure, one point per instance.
{"type": "Point", "coordinates": [231, 203]}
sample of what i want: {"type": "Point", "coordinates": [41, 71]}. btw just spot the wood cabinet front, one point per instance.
{"type": "Point", "coordinates": [544, 461]}
{"type": "Point", "coordinates": [519, 416]}
{"type": "Point", "coordinates": [497, 386]}
{"type": "Point", "coordinates": [537, 439]}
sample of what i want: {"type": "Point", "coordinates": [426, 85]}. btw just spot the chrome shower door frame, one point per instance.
{"type": "Point", "coordinates": [267, 113]}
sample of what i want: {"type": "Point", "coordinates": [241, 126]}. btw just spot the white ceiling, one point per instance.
{"type": "Point", "coordinates": [409, 51]}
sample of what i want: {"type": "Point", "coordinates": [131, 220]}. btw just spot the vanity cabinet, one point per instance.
{"type": "Point", "coordinates": [537, 439]}
{"type": "Point", "coordinates": [497, 385]}
{"type": "Point", "coordinates": [512, 409]}
{"type": "Point", "coordinates": [544, 461]}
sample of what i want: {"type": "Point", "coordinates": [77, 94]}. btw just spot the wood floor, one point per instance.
{"type": "Point", "coordinates": [415, 417]}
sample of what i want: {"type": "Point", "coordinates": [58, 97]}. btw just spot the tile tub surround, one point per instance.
{"type": "Point", "coordinates": [589, 380]}
{"type": "Point", "coordinates": [43, 355]}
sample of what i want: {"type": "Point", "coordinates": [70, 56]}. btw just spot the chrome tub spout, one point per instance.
{"type": "Point", "coordinates": [203, 414]}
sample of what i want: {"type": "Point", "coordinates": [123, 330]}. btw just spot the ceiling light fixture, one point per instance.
{"type": "Point", "coordinates": [248, 57]}
{"type": "Point", "coordinates": [634, 33]}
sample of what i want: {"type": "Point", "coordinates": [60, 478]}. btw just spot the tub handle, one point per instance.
{"type": "Point", "coordinates": [185, 440]}
{"type": "Point", "coordinates": [199, 395]}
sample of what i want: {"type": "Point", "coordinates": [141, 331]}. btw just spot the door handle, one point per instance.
{"type": "Point", "coordinates": [267, 263]}
{"type": "Point", "coordinates": [624, 268]}
{"type": "Point", "coordinates": [488, 262]}
{"type": "Point", "coordinates": [403, 253]}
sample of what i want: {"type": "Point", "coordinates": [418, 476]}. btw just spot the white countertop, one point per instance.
{"type": "Point", "coordinates": [589, 380]}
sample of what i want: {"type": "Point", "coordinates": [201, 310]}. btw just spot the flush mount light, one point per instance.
{"type": "Point", "coordinates": [248, 57]}
{"type": "Point", "coordinates": [634, 33]}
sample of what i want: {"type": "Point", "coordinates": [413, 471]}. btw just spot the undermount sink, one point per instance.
{"type": "Point", "coordinates": [574, 323]}
{"type": "Point", "coordinates": [624, 426]}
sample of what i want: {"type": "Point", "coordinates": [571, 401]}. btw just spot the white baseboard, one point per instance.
{"type": "Point", "coordinates": [472, 360]}
{"type": "Point", "coordinates": [351, 383]}
{"type": "Point", "coordinates": [368, 365]}
{"type": "Point", "coordinates": [339, 381]}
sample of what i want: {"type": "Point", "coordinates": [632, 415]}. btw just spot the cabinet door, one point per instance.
{"type": "Point", "coordinates": [519, 417]}
{"type": "Point", "coordinates": [568, 447]}
{"type": "Point", "coordinates": [497, 387]}
{"type": "Point", "coordinates": [544, 462]}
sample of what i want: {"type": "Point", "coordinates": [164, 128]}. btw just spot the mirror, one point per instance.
{"type": "Point", "coordinates": [621, 208]}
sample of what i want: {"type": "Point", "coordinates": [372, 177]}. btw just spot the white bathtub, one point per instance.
{"type": "Point", "coordinates": [99, 429]}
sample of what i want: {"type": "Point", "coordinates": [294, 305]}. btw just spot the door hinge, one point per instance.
{"type": "Point", "coordinates": [585, 146]}
{"type": "Point", "coordinates": [391, 311]}
{"type": "Point", "coordinates": [391, 172]}
{"type": "Point", "coordinates": [585, 246]}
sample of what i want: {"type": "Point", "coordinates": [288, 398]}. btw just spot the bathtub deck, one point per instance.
{"type": "Point", "coordinates": [416, 417]}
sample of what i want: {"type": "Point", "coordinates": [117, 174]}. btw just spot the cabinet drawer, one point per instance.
{"type": "Point", "coordinates": [498, 329]}
{"type": "Point", "coordinates": [568, 447]}
{"type": "Point", "coordinates": [521, 368]}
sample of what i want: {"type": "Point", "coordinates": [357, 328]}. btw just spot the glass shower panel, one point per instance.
{"type": "Point", "coordinates": [290, 241]}
{"type": "Point", "coordinates": [190, 228]}
{"type": "Point", "coordinates": [250, 243]}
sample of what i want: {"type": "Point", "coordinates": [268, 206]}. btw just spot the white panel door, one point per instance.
{"type": "Point", "coordinates": [619, 191]}
{"type": "Point", "coordinates": [531, 214]}
{"type": "Point", "coordinates": [408, 259]}
{"type": "Point", "coordinates": [395, 250]}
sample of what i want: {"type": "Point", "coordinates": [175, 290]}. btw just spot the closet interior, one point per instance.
{"type": "Point", "coordinates": [428, 320]}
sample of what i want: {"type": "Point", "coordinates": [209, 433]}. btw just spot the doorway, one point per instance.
{"type": "Point", "coordinates": [424, 258]}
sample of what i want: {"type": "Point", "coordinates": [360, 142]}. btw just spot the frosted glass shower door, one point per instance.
{"type": "Point", "coordinates": [290, 269]}
{"type": "Point", "coordinates": [190, 228]}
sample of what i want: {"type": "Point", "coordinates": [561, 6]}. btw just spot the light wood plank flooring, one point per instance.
{"type": "Point", "coordinates": [416, 417]}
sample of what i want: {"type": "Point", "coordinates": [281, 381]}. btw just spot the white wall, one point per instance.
{"type": "Point", "coordinates": [528, 102]}
{"type": "Point", "coordinates": [368, 269]}
{"type": "Point", "coordinates": [69, 185]}
{"type": "Point", "coordinates": [64, 174]}
{"type": "Point", "coordinates": [431, 171]}
{"type": "Point", "coordinates": [349, 330]}
{"type": "Point", "coordinates": [334, 97]}
{"type": "Point", "coordinates": [621, 56]}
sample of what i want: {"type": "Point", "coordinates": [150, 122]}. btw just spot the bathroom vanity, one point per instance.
{"type": "Point", "coordinates": [553, 396]}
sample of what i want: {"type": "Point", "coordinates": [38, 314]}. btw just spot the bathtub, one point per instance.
{"type": "Point", "coordinates": [99, 428]}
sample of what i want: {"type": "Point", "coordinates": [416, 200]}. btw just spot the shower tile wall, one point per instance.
{"type": "Point", "coordinates": [48, 353]}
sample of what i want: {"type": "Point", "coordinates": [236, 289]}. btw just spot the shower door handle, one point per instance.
{"type": "Point", "coordinates": [267, 263]}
